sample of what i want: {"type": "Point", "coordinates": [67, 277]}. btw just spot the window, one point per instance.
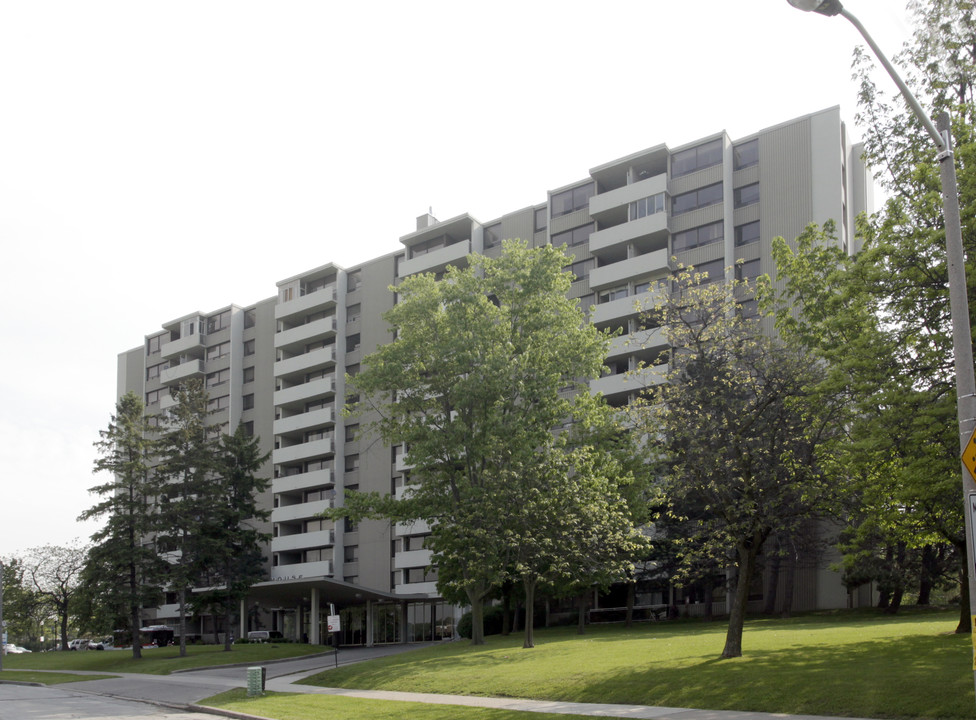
{"type": "Point", "coordinates": [697, 237]}
{"type": "Point", "coordinates": [747, 270]}
{"type": "Point", "coordinates": [249, 428]}
{"type": "Point", "coordinates": [218, 321]}
{"type": "Point", "coordinates": [702, 197]}
{"type": "Point", "coordinates": [152, 345]}
{"type": "Point", "coordinates": [285, 294]}
{"type": "Point", "coordinates": [746, 154]}
{"type": "Point", "coordinates": [351, 432]}
{"type": "Point", "coordinates": [697, 158]}
{"type": "Point", "coordinates": [351, 525]}
{"type": "Point", "coordinates": [540, 219]}
{"type": "Point", "coordinates": [749, 308]}
{"type": "Point", "coordinates": [248, 347]}
{"type": "Point", "coordinates": [352, 342]}
{"type": "Point", "coordinates": [352, 463]}
{"type": "Point", "coordinates": [647, 206]}
{"type": "Point", "coordinates": [249, 374]}
{"type": "Point", "coordinates": [217, 378]}
{"type": "Point", "coordinates": [248, 401]}
{"type": "Point", "coordinates": [250, 318]}
{"type": "Point", "coordinates": [153, 371]}
{"type": "Point", "coordinates": [218, 351]}
{"type": "Point", "coordinates": [576, 236]}
{"type": "Point", "coordinates": [352, 370]}
{"type": "Point", "coordinates": [317, 555]}
{"type": "Point", "coordinates": [748, 233]}
{"type": "Point", "coordinates": [219, 403]}
{"type": "Point", "coordinates": [350, 553]}
{"type": "Point", "coordinates": [715, 270]}
{"type": "Point", "coordinates": [581, 268]}
{"type": "Point", "coordinates": [613, 294]}
{"type": "Point", "coordinates": [746, 195]}
{"type": "Point", "coordinates": [568, 201]}
{"type": "Point", "coordinates": [493, 235]}
{"type": "Point", "coordinates": [353, 312]}
{"type": "Point", "coordinates": [152, 397]}
{"type": "Point", "coordinates": [353, 281]}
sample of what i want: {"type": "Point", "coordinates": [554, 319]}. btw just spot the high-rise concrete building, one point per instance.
{"type": "Point", "coordinates": [279, 365]}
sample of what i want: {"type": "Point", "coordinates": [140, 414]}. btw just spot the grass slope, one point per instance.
{"type": "Point", "coordinates": [288, 706]}
{"type": "Point", "coordinates": [844, 664]}
{"type": "Point", "coordinates": [156, 661]}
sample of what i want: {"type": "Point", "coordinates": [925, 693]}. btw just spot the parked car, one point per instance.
{"type": "Point", "coordinates": [264, 636]}
{"type": "Point", "coordinates": [103, 644]}
{"type": "Point", "coordinates": [79, 644]}
{"type": "Point", "coordinates": [12, 649]}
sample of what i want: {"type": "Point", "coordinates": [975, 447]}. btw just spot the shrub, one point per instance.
{"type": "Point", "coordinates": [492, 623]}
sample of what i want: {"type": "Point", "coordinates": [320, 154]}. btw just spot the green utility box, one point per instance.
{"type": "Point", "coordinates": [255, 681]}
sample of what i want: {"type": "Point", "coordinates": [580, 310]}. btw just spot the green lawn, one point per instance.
{"type": "Point", "coordinates": [856, 664]}
{"type": "Point", "coordinates": [288, 706]}
{"type": "Point", "coordinates": [47, 678]}
{"type": "Point", "coordinates": [156, 661]}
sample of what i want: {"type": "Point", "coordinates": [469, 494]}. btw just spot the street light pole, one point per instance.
{"type": "Point", "coordinates": [958, 299]}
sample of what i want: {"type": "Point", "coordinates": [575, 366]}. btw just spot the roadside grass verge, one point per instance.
{"type": "Point", "coordinates": [47, 678]}
{"type": "Point", "coordinates": [290, 706]}
{"type": "Point", "coordinates": [844, 664]}
{"type": "Point", "coordinates": [156, 661]}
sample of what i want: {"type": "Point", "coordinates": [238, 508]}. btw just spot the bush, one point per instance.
{"type": "Point", "coordinates": [492, 622]}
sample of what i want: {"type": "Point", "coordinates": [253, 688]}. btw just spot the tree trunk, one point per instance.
{"type": "Point", "coordinates": [475, 598]}
{"type": "Point", "coordinates": [506, 609]}
{"type": "Point", "coordinates": [965, 625]}
{"type": "Point", "coordinates": [529, 584]}
{"type": "Point", "coordinates": [926, 577]}
{"type": "Point", "coordinates": [769, 606]}
{"type": "Point", "coordinates": [708, 597]}
{"type": "Point", "coordinates": [737, 613]}
{"type": "Point", "coordinates": [134, 620]}
{"type": "Point", "coordinates": [227, 603]}
{"type": "Point", "coordinates": [182, 622]}
{"type": "Point", "coordinates": [631, 596]}
{"type": "Point", "coordinates": [789, 583]}
{"type": "Point", "coordinates": [581, 614]}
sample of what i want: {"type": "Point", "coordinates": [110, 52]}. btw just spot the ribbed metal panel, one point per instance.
{"type": "Point", "coordinates": [785, 167]}
{"type": "Point", "coordinates": [568, 222]}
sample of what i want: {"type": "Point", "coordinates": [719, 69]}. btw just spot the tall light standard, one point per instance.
{"type": "Point", "coordinates": [958, 300]}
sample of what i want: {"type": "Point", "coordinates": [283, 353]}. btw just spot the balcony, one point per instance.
{"type": "Point", "coordinates": [296, 571]}
{"type": "Point", "coordinates": [301, 481]}
{"type": "Point", "coordinates": [641, 340]}
{"type": "Point", "coordinates": [178, 373]}
{"type": "Point", "coordinates": [303, 421]}
{"type": "Point", "coordinates": [305, 391]}
{"type": "Point", "coordinates": [632, 268]}
{"type": "Point", "coordinates": [624, 307]}
{"type": "Point", "coordinates": [411, 558]}
{"type": "Point", "coordinates": [187, 345]}
{"type": "Point", "coordinates": [303, 541]}
{"type": "Point", "coordinates": [303, 334]}
{"type": "Point", "coordinates": [321, 299]}
{"type": "Point", "coordinates": [314, 360]}
{"type": "Point", "coordinates": [401, 463]}
{"type": "Point", "coordinates": [629, 382]}
{"type": "Point", "coordinates": [436, 260]}
{"type": "Point", "coordinates": [427, 589]}
{"type": "Point", "coordinates": [412, 527]}
{"type": "Point", "coordinates": [300, 511]}
{"type": "Point", "coordinates": [623, 196]}
{"type": "Point", "coordinates": [301, 451]}
{"type": "Point", "coordinates": [650, 225]}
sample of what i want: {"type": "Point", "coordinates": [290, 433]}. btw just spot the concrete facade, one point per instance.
{"type": "Point", "coordinates": [280, 364]}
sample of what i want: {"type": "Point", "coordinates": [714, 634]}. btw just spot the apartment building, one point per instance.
{"type": "Point", "coordinates": [279, 365]}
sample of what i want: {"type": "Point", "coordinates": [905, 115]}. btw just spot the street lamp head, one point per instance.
{"type": "Point", "coordinates": [824, 7]}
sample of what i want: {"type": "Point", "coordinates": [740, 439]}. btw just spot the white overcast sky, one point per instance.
{"type": "Point", "coordinates": [159, 158]}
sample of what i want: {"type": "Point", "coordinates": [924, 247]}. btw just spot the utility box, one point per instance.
{"type": "Point", "coordinates": [255, 681]}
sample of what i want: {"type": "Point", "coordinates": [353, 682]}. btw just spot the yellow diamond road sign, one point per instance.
{"type": "Point", "coordinates": [969, 455]}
